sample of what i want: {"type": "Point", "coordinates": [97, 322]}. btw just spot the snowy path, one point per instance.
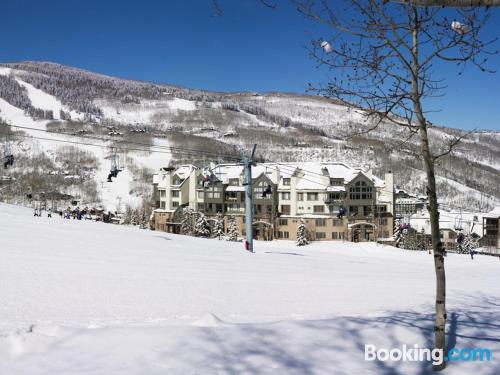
{"type": "Point", "coordinates": [91, 298]}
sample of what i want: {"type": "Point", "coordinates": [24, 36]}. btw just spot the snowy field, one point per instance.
{"type": "Point", "coordinates": [91, 298]}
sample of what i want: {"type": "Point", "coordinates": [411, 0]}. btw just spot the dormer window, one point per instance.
{"type": "Point", "coordinates": [234, 181]}
{"type": "Point", "coordinates": [286, 181]}
{"type": "Point", "coordinates": [177, 180]}
{"type": "Point", "coordinates": [336, 181]}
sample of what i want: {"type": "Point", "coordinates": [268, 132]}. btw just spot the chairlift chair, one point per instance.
{"type": "Point", "coordinates": [267, 190]}
{"type": "Point", "coordinates": [8, 161]}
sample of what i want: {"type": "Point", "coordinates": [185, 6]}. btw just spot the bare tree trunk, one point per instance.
{"type": "Point", "coordinates": [437, 245]}
{"type": "Point", "coordinates": [428, 159]}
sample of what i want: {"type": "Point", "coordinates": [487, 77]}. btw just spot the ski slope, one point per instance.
{"type": "Point", "coordinates": [80, 297]}
{"type": "Point", "coordinates": [113, 196]}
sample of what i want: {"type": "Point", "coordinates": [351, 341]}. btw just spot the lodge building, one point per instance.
{"type": "Point", "coordinates": [283, 195]}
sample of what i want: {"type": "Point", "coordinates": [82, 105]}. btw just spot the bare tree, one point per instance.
{"type": "Point", "coordinates": [383, 57]}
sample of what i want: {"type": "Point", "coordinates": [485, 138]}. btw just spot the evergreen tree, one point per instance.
{"type": "Point", "coordinates": [232, 232]}
{"type": "Point", "coordinates": [301, 234]}
{"type": "Point", "coordinates": [398, 231]}
{"type": "Point", "coordinates": [135, 217]}
{"type": "Point", "coordinates": [187, 221]}
{"type": "Point", "coordinates": [219, 226]}
{"type": "Point", "coordinates": [143, 220]}
{"type": "Point", "coordinates": [468, 244]}
{"type": "Point", "coordinates": [202, 229]}
{"type": "Point", "coordinates": [127, 216]}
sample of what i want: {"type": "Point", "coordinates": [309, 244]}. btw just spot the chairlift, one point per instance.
{"type": "Point", "coordinates": [342, 212]}
{"type": "Point", "coordinates": [8, 155]}
{"type": "Point", "coordinates": [115, 164]}
{"type": "Point", "coordinates": [8, 161]}
{"type": "Point", "coordinates": [267, 190]}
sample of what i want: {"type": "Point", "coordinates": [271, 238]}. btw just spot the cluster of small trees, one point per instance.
{"type": "Point", "coordinates": [196, 224]}
{"type": "Point", "coordinates": [136, 216]}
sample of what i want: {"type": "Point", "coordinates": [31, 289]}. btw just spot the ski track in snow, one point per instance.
{"type": "Point", "coordinates": [80, 297]}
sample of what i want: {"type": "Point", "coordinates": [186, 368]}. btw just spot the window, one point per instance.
{"type": "Point", "coordinates": [199, 194]}
{"type": "Point", "coordinates": [334, 196]}
{"type": "Point", "coordinates": [233, 207]}
{"type": "Point", "coordinates": [284, 235]}
{"type": "Point", "coordinates": [231, 195]}
{"type": "Point", "coordinates": [285, 196]}
{"type": "Point", "coordinates": [175, 193]}
{"type": "Point", "coordinates": [381, 209]}
{"type": "Point", "coordinates": [175, 204]}
{"type": "Point", "coordinates": [162, 205]}
{"type": "Point", "coordinates": [337, 222]}
{"type": "Point", "coordinates": [320, 222]}
{"type": "Point", "coordinates": [177, 180]}
{"type": "Point", "coordinates": [312, 196]}
{"type": "Point", "coordinates": [320, 235]}
{"type": "Point", "coordinates": [318, 209]}
{"type": "Point", "coordinates": [283, 222]}
{"type": "Point", "coordinates": [163, 193]}
{"type": "Point", "coordinates": [286, 181]}
{"type": "Point", "coordinates": [336, 181]}
{"type": "Point", "coordinates": [367, 210]}
{"type": "Point", "coordinates": [285, 209]}
{"type": "Point", "coordinates": [234, 181]}
{"type": "Point", "coordinates": [335, 235]}
{"type": "Point", "coordinates": [300, 196]}
{"type": "Point", "coordinates": [360, 190]}
{"type": "Point", "coordinates": [213, 195]}
{"type": "Point", "coordinates": [383, 221]}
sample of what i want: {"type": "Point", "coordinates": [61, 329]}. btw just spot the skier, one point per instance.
{"type": "Point", "coordinates": [472, 252]}
{"type": "Point", "coordinates": [49, 213]}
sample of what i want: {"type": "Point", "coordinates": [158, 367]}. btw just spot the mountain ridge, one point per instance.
{"type": "Point", "coordinates": [286, 126]}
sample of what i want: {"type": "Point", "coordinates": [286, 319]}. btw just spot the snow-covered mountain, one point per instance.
{"type": "Point", "coordinates": [92, 112]}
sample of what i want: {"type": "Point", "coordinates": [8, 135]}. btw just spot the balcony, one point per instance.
{"type": "Point", "coordinates": [334, 201]}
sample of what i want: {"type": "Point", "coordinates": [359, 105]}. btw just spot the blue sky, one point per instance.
{"type": "Point", "coordinates": [249, 48]}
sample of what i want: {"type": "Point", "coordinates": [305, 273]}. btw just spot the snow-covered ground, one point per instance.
{"type": "Point", "coordinates": [81, 297]}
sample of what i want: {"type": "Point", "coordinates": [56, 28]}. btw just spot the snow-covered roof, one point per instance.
{"type": "Point", "coordinates": [235, 188]}
{"type": "Point", "coordinates": [495, 213]}
{"type": "Point", "coordinates": [335, 188]}
{"type": "Point", "coordinates": [184, 171]}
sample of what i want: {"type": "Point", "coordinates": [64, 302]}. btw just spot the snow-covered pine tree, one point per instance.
{"type": "Point", "coordinates": [469, 244]}
{"type": "Point", "coordinates": [187, 221]}
{"type": "Point", "coordinates": [135, 220]}
{"type": "Point", "coordinates": [201, 228]}
{"type": "Point", "coordinates": [127, 216]}
{"type": "Point", "coordinates": [143, 220]}
{"type": "Point", "coordinates": [232, 232]}
{"type": "Point", "coordinates": [301, 234]}
{"type": "Point", "coordinates": [219, 226]}
{"type": "Point", "coordinates": [398, 231]}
